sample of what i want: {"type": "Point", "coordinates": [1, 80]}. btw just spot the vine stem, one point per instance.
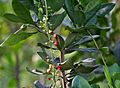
{"type": "Point", "coordinates": [47, 30]}
{"type": "Point", "coordinates": [103, 59]}
{"type": "Point", "coordinates": [63, 72]}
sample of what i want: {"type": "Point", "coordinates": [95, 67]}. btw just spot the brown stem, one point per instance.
{"type": "Point", "coordinates": [17, 67]}
{"type": "Point", "coordinates": [63, 72]}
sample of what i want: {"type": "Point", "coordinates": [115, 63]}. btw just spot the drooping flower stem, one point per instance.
{"type": "Point", "coordinates": [49, 38]}
{"type": "Point", "coordinates": [106, 72]}
{"type": "Point", "coordinates": [63, 72]}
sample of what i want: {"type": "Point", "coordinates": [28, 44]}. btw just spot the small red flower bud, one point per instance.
{"type": "Point", "coordinates": [56, 43]}
{"type": "Point", "coordinates": [58, 67]}
{"type": "Point", "coordinates": [54, 35]}
{"type": "Point", "coordinates": [48, 78]}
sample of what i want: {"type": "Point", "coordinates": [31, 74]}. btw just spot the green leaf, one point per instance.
{"type": "Point", "coordinates": [71, 59]}
{"type": "Point", "coordinates": [117, 83]}
{"type": "Point", "coordinates": [61, 42]}
{"type": "Point", "coordinates": [84, 2]}
{"type": "Point", "coordinates": [13, 18]}
{"type": "Point", "coordinates": [97, 79]}
{"type": "Point", "coordinates": [80, 82]}
{"type": "Point", "coordinates": [84, 68]}
{"type": "Point", "coordinates": [22, 12]}
{"type": "Point", "coordinates": [79, 17]}
{"type": "Point", "coordinates": [91, 15]}
{"type": "Point", "coordinates": [55, 5]}
{"type": "Point", "coordinates": [56, 20]}
{"type": "Point", "coordinates": [16, 38]}
{"type": "Point", "coordinates": [99, 10]}
{"type": "Point", "coordinates": [105, 9]}
{"type": "Point", "coordinates": [85, 50]}
{"type": "Point", "coordinates": [95, 27]}
{"type": "Point", "coordinates": [36, 71]}
{"type": "Point", "coordinates": [44, 56]}
{"type": "Point", "coordinates": [114, 68]}
{"type": "Point", "coordinates": [84, 39]}
{"type": "Point", "coordinates": [91, 5]}
{"type": "Point", "coordinates": [75, 14]}
{"type": "Point", "coordinates": [70, 38]}
{"type": "Point", "coordinates": [45, 46]}
{"type": "Point", "coordinates": [116, 75]}
{"type": "Point", "coordinates": [29, 4]}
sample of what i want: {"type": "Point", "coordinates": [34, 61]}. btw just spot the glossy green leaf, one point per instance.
{"type": "Point", "coordinates": [103, 85]}
{"type": "Point", "coordinates": [70, 38]}
{"type": "Point", "coordinates": [114, 68]}
{"type": "Point", "coordinates": [55, 5]}
{"type": "Point", "coordinates": [44, 55]}
{"type": "Point", "coordinates": [79, 17]}
{"type": "Point", "coordinates": [29, 4]}
{"type": "Point", "coordinates": [84, 39]}
{"type": "Point", "coordinates": [116, 75]}
{"type": "Point", "coordinates": [16, 38]}
{"type": "Point", "coordinates": [22, 12]}
{"type": "Point", "coordinates": [61, 42]}
{"type": "Point", "coordinates": [45, 46]}
{"type": "Point", "coordinates": [80, 82]}
{"type": "Point", "coordinates": [105, 9]}
{"type": "Point", "coordinates": [84, 2]}
{"type": "Point", "coordinates": [13, 18]}
{"type": "Point", "coordinates": [56, 20]}
{"type": "Point", "coordinates": [85, 50]}
{"type": "Point", "coordinates": [99, 10]}
{"type": "Point", "coordinates": [83, 68]}
{"type": "Point", "coordinates": [69, 7]}
{"type": "Point", "coordinates": [71, 59]}
{"type": "Point", "coordinates": [97, 79]}
{"type": "Point", "coordinates": [76, 15]}
{"type": "Point", "coordinates": [95, 27]}
{"type": "Point", "coordinates": [91, 17]}
{"type": "Point", "coordinates": [94, 86]}
{"type": "Point", "coordinates": [36, 71]}
{"type": "Point", "coordinates": [91, 5]}
{"type": "Point", "coordinates": [117, 83]}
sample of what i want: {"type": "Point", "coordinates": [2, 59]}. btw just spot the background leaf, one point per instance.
{"type": "Point", "coordinates": [16, 38]}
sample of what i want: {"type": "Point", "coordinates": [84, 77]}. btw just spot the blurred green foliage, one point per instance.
{"type": "Point", "coordinates": [27, 52]}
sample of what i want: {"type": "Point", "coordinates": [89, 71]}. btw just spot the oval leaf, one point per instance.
{"type": "Point", "coordinates": [22, 12]}
{"type": "Point", "coordinates": [80, 82]}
